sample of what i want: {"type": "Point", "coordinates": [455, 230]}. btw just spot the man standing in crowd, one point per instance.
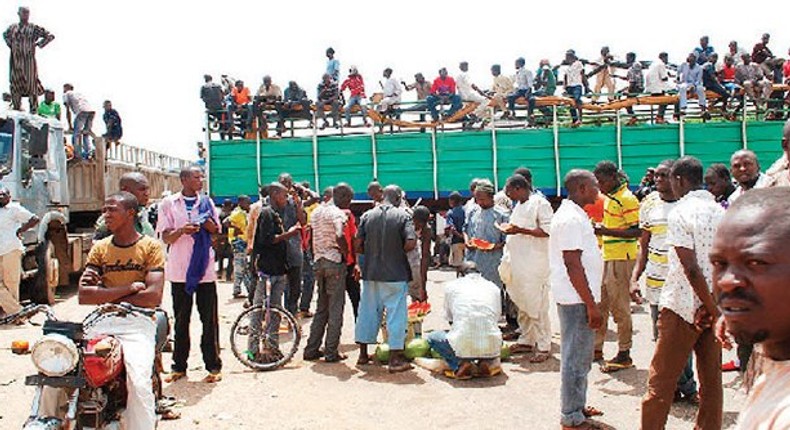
{"type": "Point", "coordinates": [112, 122]}
{"type": "Point", "coordinates": [385, 235]}
{"type": "Point", "coordinates": [23, 38]}
{"type": "Point", "coordinates": [751, 265]}
{"type": "Point", "coordinates": [619, 231]}
{"type": "Point", "coordinates": [473, 344]}
{"type": "Point", "coordinates": [528, 247]}
{"type": "Point", "coordinates": [14, 220]}
{"type": "Point", "coordinates": [688, 309]}
{"type": "Point", "coordinates": [82, 126]}
{"type": "Point", "coordinates": [745, 169]}
{"type": "Point", "coordinates": [293, 214]}
{"type": "Point", "coordinates": [186, 222]}
{"type": "Point", "coordinates": [236, 226]}
{"type": "Point", "coordinates": [576, 273]}
{"type": "Point", "coordinates": [719, 183]}
{"type": "Point", "coordinates": [137, 184]}
{"type": "Point", "coordinates": [329, 250]}
{"type": "Point", "coordinates": [456, 220]}
{"type": "Point", "coordinates": [652, 262]}
{"type": "Point", "coordinates": [484, 241]}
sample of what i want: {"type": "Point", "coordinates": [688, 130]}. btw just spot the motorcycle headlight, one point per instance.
{"type": "Point", "coordinates": [55, 355]}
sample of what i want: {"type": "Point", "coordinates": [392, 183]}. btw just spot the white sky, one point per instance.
{"type": "Point", "coordinates": [149, 57]}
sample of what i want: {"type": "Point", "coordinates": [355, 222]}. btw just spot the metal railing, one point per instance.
{"type": "Point", "coordinates": [140, 157]}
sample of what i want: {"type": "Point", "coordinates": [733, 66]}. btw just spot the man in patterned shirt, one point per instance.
{"type": "Point", "coordinates": [688, 309]}
{"type": "Point", "coordinates": [23, 39]}
{"type": "Point", "coordinates": [328, 94]}
{"type": "Point", "coordinates": [356, 87]}
{"type": "Point", "coordinates": [652, 261]}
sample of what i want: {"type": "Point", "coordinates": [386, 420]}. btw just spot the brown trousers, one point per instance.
{"type": "Point", "coordinates": [676, 339]}
{"type": "Point", "coordinates": [616, 299]}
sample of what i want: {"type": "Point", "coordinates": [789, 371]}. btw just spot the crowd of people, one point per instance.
{"type": "Point", "coordinates": [22, 39]}
{"type": "Point", "coordinates": [736, 75]}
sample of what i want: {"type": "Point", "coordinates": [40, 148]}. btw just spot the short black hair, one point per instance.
{"type": "Point", "coordinates": [720, 170]}
{"type": "Point", "coordinates": [126, 199]}
{"type": "Point", "coordinates": [689, 168]}
{"type": "Point", "coordinates": [421, 213]}
{"type": "Point", "coordinates": [188, 170]}
{"type": "Point", "coordinates": [606, 168]}
{"type": "Point", "coordinates": [518, 181]}
{"type": "Point", "coordinates": [455, 197]}
{"type": "Point", "coordinates": [525, 172]}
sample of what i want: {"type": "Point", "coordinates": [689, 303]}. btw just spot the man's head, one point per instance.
{"type": "Point", "coordinates": [650, 174]}
{"type": "Point", "coordinates": [387, 72]}
{"type": "Point", "coordinates": [455, 199]}
{"type": "Point", "coordinates": [278, 195]}
{"type": "Point", "coordinates": [608, 176]}
{"type": "Point", "coordinates": [137, 184]}
{"type": "Point", "coordinates": [67, 88]}
{"type": "Point", "coordinates": [244, 202]}
{"type": "Point", "coordinates": [686, 175]}
{"type": "Point", "coordinates": [326, 79]}
{"type": "Point", "coordinates": [293, 85]}
{"type": "Point", "coordinates": [328, 194]}
{"type": "Point", "coordinates": [713, 58]}
{"type": "Point", "coordinates": [464, 66]}
{"type": "Point", "coordinates": [24, 15]}
{"type": "Point", "coordinates": [525, 172]}
{"type": "Point", "coordinates": [751, 266]}
{"type": "Point", "coordinates": [570, 56]}
{"type": "Point", "coordinates": [420, 216]}
{"type": "Point", "coordinates": [604, 51]}
{"type": "Point", "coordinates": [443, 72]}
{"type": "Point", "coordinates": [239, 85]}
{"type": "Point", "coordinates": [746, 58]}
{"type": "Point", "coordinates": [207, 78]}
{"type": "Point", "coordinates": [330, 53]}
{"type": "Point", "coordinates": [392, 194]}
{"type": "Point", "coordinates": [5, 196]}
{"type": "Point", "coordinates": [419, 77]}
{"type": "Point", "coordinates": [692, 58]}
{"type": "Point", "coordinates": [473, 184]}
{"type": "Point", "coordinates": [704, 41]}
{"type": "Point", "coordinates": [718, 179]}
{"type": "Point", "coordinates": [661, 176]}
{"type": "Point", "coordinates": [107, 105]}
{"type": "Point", "coordinates": [467, 268]}
{"type": "Point", "coordinates": [765, 39]}
{"type": "Point", "coordinates": [496, 70]}
{"type": "Point", "coordinates": [744, 167]}
{"type": "Point", "coordinates": [49, 96]}
{"type": "Point", "coordinates": [267, 81]}
{"type": "Point", "coordinates": [664, 57]}
{"type": "Point", "coordinates": [582, 187]}
{"type": "Point", "coordinates": [342, 195]}
{"type": "Point", "coordinates": [120, 210]}
{"type": "Point", "coordinates": [286, 180]}
{"type": "Point", "coordinates": [518, 188]}
{"type": "Point", "coordinates": [192, 179]}
{"type": "Point", "coordinates": [630, 57]}
{"type": "Point", "coordinates": [353, 71]}
{"type": "Point", "coordinates": [484, 193]}
{"type": "Point", "coordinates": [375, 191]}
{"type": "Point", "coordinates": [728, 60]}
{"type": "Point", "coordinates": [733, 45]}
{"type": "Point", "coordinates": [227, 205]}
{"type": "Point", "coordinates": [520, 62]}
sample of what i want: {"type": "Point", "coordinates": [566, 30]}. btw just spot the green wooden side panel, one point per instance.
{"type": "Point", "coordinates": [407, 159]}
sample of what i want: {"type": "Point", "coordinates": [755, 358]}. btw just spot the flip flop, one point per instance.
{"type": "Point", "coordinates": [540, 357]}
{"type": "Point", "coordinates": [520, 348]}
{"type": "Point", "coordinates": [610, 367]}
{"type": "Point", "coordinates": [450, 374]}
{"type": "Point", "coordinates": [175, 376]}
{"type": "Point", "coordinates": [590, 411]}
{"type": "Point", "coordinates": [400, 368]}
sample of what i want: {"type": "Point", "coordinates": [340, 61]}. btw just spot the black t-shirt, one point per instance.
{"type": "Point", "coordinates": [271, 257]}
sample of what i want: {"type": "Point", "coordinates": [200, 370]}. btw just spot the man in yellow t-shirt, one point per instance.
{"type": "Point", "coordinates": [236, 225]}
{"type": "Point", "coordinates": [620, 232]}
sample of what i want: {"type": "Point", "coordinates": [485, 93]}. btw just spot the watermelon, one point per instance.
{"type": "Point", "coordinates": [504, 353]}
{"type": "Point", "coordinates": [481, 244]}
{"type": "Point", "coordinates": [382, 353]}
{"type": "Point", "coordinates": [417, 347]}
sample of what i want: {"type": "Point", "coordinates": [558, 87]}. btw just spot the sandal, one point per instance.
{"type": "Point", "coordinates": [590, 411]}
{"type": "Point", "coordinates": [540, 357]}
{"type": "Point", "coordinates": [169, 415]}
{"type": "Point", "coordinates": [400, 368]}
{"type": "Point", "coordinates": [520, 348]}
{"type": "Point", "coordinates": [611, 367]}
{"type": "Point", "coordinates": [213, 377]}
{"type": "Point", "coordinates": [175, 376]}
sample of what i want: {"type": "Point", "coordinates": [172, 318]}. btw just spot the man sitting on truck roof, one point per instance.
{"type": "Point", "coordinates": [137, 184]}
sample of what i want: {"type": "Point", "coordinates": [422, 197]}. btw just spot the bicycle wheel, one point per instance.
{"type": "Point", "coordinates": [264, 339]}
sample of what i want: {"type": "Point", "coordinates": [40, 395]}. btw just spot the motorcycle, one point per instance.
{"type": "Point", "coordinates": [90, 369]}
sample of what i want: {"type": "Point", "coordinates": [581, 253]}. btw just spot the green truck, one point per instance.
{"type": "Point", "coordinates": [431, 164]}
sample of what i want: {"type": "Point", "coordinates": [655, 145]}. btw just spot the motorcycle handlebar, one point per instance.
{"type": "Point", "coordinates": [28, 312]}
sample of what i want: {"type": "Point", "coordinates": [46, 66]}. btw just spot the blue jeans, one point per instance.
{"type": "Point", "coordinates": [278, 285]}
{"type": "Point", "coordinates": [433, 100]}
{"type": "Point", "coordinates": [80, 140]}
{"type": "Point", "coordinates": [376, 298]}
{"type": "Point", "coordinates": [308, 281]}
{"type": "Point", "coordinates": [355, 100]}
{"type": "Point", "coordinates": [576, 355]}
{"type": "Point", "coordinates": [522, 92]}
{"type": "Point", "coordinates": [576, 94]}
{"type": "Point", "coordinates": [241, 272]}
{"type": "Point", "coordinates": [438, 341]}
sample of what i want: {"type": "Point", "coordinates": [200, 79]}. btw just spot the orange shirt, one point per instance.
{"type": "Point", "coordinates": [241, 97]}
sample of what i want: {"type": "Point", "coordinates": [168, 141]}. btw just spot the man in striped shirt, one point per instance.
{"type": "Point", "coordinates": [23, 38]}
{"type": "Point", "coordinates": [619, 231]}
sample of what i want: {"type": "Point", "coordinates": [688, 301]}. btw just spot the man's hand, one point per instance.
{"type": "Point", "coordinates": [357, 273]}
{"type": "Point", "coordinates": [635, 291]}
{"type": "Point", "coordinates": [721, 333]}
{"type": "Point", "coordinates": [136, 287]}
{"type": "Point", "coordinates": [703, 320]}
{"type": "Point", "coordinates": [90, 278]}
{"type": "Point", "coordinates": [190, 229]}
{"type": "Point", "coordinates": [594, 318]}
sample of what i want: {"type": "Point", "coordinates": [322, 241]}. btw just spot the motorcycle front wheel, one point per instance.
{"type": "Point", "coordinates": [265, 338]}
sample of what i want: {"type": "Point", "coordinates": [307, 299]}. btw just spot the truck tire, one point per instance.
{"type": "Point", "coordinates": [46, 280]}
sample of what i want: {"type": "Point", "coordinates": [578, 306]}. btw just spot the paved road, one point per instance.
{"type": "Point", "coordinates": [306, 395]}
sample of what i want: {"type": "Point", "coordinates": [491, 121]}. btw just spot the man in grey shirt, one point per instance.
{"type": "Point", "coordinates": [292, 214]}
{"type": "Point", "coordinates": [385, 235]}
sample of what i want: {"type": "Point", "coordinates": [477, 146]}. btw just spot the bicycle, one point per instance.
{"type": "Point", "coordinates": [266, 336]}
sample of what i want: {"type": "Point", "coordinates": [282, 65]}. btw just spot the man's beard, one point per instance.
{"type": "Point", "coordinates": [751, 338]}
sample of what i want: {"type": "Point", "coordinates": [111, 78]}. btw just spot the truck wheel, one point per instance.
{"type": "Point", "coordinates": [47, 277]}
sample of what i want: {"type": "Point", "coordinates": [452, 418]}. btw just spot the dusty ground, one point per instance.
{"type": "Point", "coordinates": [306, 395]}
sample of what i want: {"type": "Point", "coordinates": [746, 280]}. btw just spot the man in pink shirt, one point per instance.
{"type": "Point", "coordinates": [186, 221]}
